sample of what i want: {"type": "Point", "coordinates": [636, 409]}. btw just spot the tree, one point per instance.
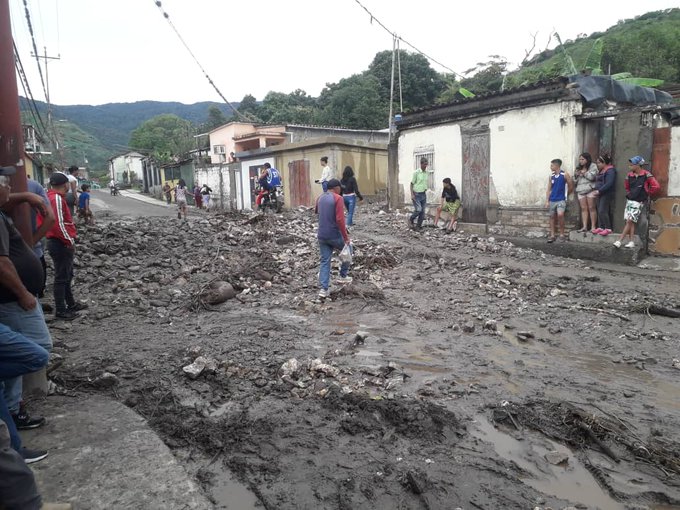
{"type": "Point", "coordinates": [296, 108]}
{"type": "Point", "coordinates": [216, 118]}
{"type": "Point", "coordinates": [164, 136]}
{"type": "Point", "coordinates": [421, 85]}
{"type": "Point", "coordinates": [354, 102]}
{"type": "Point", "coordinates": [488, 76]}
{"type": "Point", "coordinates": [249, 108]}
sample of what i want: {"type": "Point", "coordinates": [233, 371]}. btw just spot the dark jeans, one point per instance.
{"type": "Point", "coordinates": [62, 256]}
{"type": "Point", "coordinates": [604, 211]}
{"type": "Point", "coordinates": [41, 294]}
{"type": "Point", "coordinates": [17, 484]}
{"type": "Point", "coordinates": [420, 204]}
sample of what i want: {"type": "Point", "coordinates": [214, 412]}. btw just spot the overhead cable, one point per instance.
{"type": "Point", "coordinates": [35, 49]}
{"type": "Point", "coordinates": [33, 107]}
{"type": "Point", "coordinates": [393, 34]}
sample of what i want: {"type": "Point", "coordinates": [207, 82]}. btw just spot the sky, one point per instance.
{"type": "Point", "coordinates": [124, 50]}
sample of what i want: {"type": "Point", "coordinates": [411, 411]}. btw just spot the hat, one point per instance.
{"type": "Point", "coordinates": [7, 170]}
{"type": "Point", "coordinates": [333, 183]}
{"type": "Point", "coordinates": [58, 179]}
{"type": "Point", "coordinates": [637, 160]}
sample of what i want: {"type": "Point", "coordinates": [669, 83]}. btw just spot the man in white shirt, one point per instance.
{"type": "Point", "coordinates": [326, 173]}
{"type": "Point", "coordinates": [72, 194]}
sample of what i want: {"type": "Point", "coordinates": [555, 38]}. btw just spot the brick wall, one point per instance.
{"type": "Point", "coordinates": [530, 221]}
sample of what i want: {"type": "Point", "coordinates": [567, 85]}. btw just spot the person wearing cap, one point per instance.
{"type": "Point", "coordinates": [640, 186]}
{"type": "Point", "coordinates": [332, 234]}
{"type": "Point", "coordinates": [418, 193]}
{"type": "Point", "coordinates": [61, 245]}
{"type": "Point", "coordinates": [24, 330]}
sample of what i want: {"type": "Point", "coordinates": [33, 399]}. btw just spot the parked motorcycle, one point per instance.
{"type": "Point", "coordinates": [272, 200]}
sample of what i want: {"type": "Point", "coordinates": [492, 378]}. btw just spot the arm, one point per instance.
{"type": "Point", "coordinates": [547, 193]}
{"type": "Point", "coordinates": [356, 189]}
{"type": "Point", "coordinates": [591, 174]}
{"type": "Point", "coordinates": [35, 201]}
{"type": "Point", "coordinates": [652, 186]}
{"type": "Point", "coordinates": [11, 280]}
{"type": "Point", "coordinates": [340, 218]}
{"type": "Point", "coordinates": [45, 226]}
{"type": "Point", "coordinates": [570, 183]}
{"type": "Point", "coordinates": [609, 180]}
{"type": "Point", "coordinates": [626, 184]}
{"type": "Point", "coordinates": [59, 205]}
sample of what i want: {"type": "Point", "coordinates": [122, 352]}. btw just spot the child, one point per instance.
{"type": "Point", "coordinates": [84, 211]}
{"type": "Point", "coordinates": [559, 187]}
{"type": "Point", "coordinates": [61, 240]}
{"type": "Point", "coordinates": [640, 185]}
{"type": "Point", "coordinates": [450, 203]}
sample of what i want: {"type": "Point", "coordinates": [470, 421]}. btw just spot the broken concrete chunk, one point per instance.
{"type": "Point", "coordinates": [676, 363]}
{"type": "Point", "coordinates": [557, 458]}
{"type": "Point", "coordinates": [469, 327]}
{"type": "Point", "coordinates": [219, 292]}
{"type": "Point", "coordinates": [290, 368]}
{"type": "Point", "coordinates": [490, 325]}
{"type": "Point", "coordinates": [200, 365]}
{"type": "Point", "coordinates": [360, 337]}
{"type": "Point", "coordinates": [318, 366]}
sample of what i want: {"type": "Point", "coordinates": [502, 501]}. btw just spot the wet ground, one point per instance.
{"type": "Point", "coordinates": [483, 375]}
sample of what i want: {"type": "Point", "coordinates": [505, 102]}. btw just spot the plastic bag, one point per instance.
{"type": "Point", "coordinates": [346, 254]}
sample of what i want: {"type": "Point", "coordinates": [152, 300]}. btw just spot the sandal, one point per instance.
{"type": "Point", "coordinates": [582, 230]}
{"type": "Point", "coordinates": [551, 239]}
{"type": "Point", "coordinates": [455, 226]}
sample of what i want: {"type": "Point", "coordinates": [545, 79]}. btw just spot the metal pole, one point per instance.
{"type": "Point", "coordinates": [394, 47]}
{"type": "Point", "coordinates": [11, 136]}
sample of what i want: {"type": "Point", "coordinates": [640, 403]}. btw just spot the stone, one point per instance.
{"type": "Point", "coordinates": [676, 363]}
{"type": "Point", "coordinates": [360, 337]}
{"type": "Point", "coordinates": [524, 335]}
{"type": "Point", "coordinates": [318, 366]}
{"type": "Point", "coordinates": [290, 368]}
{"type": "Point", "coordinates": [106, 380]}
{"type": "Point", "coordinates": [490, 325]}
{"type": "Point", "coordinates": [557, 458]}
{"type": "Point", "coordinates": [219, 292]}
{"type": "Point", "coordinates": [195, 369]}
{"type": "Point", "coordinates": [469, 327]}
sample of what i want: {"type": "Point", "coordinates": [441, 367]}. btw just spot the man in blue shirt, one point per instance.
{"type": "Point", "coordinates": [559, 187]}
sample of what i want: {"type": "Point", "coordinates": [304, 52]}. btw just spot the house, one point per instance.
{"type": "Point", "coordinates": [35, 169]}
{"type": "Point", "coordinates": [497, 148]}
{"type": "Point", "coordinates": [127, 167]}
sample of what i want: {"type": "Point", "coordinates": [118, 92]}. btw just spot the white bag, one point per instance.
{"type": "Point", "coordinates": [346, 254]}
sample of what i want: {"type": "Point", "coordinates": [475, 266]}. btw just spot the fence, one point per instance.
{"type": "Point", "coordinates": [225, 182]}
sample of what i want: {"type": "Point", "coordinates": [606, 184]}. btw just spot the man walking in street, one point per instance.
{"type": "Point", "coordinates": [61, 245]}
{"type": "Point", "coordinates": [21, 279]}
{"type": "Point", "coordinates": [418, 194]}
{"type": "Point", "coordinates": [332, 235]}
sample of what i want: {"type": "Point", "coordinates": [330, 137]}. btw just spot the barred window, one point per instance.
{"type": "Point", "coordinates": [426, 152]}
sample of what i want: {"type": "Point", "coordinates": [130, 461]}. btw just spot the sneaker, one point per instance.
{"type": "Point", "coordinates": [66, 315]}
{"type": "Point", "coordinates": [605, 232]}
{"type": "Point", "coordinates": [342, 280]}
{"type": "Point", "coordinates": [596, 231]}
{"type": "Point", "coordinates": [324, 293]}
{"type": "Point", "coordinates": [617, 244]}
{"type": "Point", "coordinates": [630, 244]}
{"type": "Point", "coordinates": [79, 306]}
{"type": "Point", "coordinates": [409, 222]}
{"type": "Point", "coordinates": [24, 421]}
{"type": "Point", "coordinates": [551, 239]}
{"type": "Point", "coordinates": [31, 456]}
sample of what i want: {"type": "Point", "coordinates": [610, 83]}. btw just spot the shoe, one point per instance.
{"type": "Point", "coordinates": [596, 231]}
{"type": "Point", "coordinates": [47, 308]}
{"type": "Point", "coordinates": [581, 230]}
{"type": "Point", "coordinates": [31, 456]}
{"type": "Point", "coordinates": [617, 244]}
{"type": "Point", "coordinates": [343, 280]}
{"type": "Point", "coordinates": [179, 216]}
{"type": "Point", "coordinates": [409, 221]}
{"type": "Point", "coordinates": [630, 244]}
{"type": "Point", "coordinates": [605, 232]}
{"type": "Point", "coordinates": [24, 421]}
{"type": "Point", "coordinates": [324, 293]}
{"type": "Point", "coordinates": [66, 315]}
{"type": "Point", "coordinates": [551, 239]}
{"type": "Point", "coordinates": [78, 307]}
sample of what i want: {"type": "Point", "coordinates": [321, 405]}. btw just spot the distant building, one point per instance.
{"type": "Point", "coordinates": [126, 167]}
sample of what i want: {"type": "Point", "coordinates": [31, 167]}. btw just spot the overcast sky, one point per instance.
{"type": "Point", "coordinates": [125, 51]}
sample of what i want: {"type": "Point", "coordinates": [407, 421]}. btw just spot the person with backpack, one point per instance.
{"type": "Point", "coordinates": [640, 186]}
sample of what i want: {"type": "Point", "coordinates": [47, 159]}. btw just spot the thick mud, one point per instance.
{"type": "Point", "coordinates": [483, 375]}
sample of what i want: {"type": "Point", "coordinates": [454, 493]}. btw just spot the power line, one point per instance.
{"type": "Point", "coordinates": [393, 34]}
{"type": "Point", "coordinates": [35, 49]}
{"type": "Point", "coordinates": [167, 17]}
{"type": "Point", "coordinates": [28, 94]}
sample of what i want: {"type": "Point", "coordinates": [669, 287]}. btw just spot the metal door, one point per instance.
{"type": "Point", "coordinates": [299, 183]}
{"type": "Point", "coordinates": [475, 188]}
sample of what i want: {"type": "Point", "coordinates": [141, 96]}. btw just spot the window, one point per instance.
{"type": "Point", "coordinates": [219, 149]}
{"type": "Point", "coordinates": [426, 152]}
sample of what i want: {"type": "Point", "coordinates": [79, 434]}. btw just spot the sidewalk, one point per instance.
{"type": "Point", "coordinates": [102, 455]}
{"type": "Point", "coordinates": [136, 195]}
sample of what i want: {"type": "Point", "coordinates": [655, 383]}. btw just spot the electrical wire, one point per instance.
{"type": "Point", "coordinates": [167, 17]}
{"type": "Point", "coordinates": [393, 34]}
{"type": "Point", "coordinates": [28, 94]}
{"type": "Point", "coordinates": [35, 49]}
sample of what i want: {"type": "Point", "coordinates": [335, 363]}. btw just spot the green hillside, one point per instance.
{"type": "Point", "coordinates": [647, 46]}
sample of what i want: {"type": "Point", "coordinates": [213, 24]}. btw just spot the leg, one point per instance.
{"type": "Point", "coordinates": [345, 200]}
{"type": "Point", "coordinates": [631, 230]}
{"type": "Point", "coordinates": [607, 211]}
{"type": "Point", "coordinates": [17, 484]}
{"type": "Point", "coordinates": [44, 266]}
{"type": "Point", "coordinates": [552, 224]}
{"type": "Point", "coordinates": [325, 254]}
{"type": "Point", "coordinates": [583, 205]}
{"type": "Point", "coordinates": [350, 213]}
{"type": "Point", "coordinates": [8, 421]}
{"type": "Point", "coordinates": [61, 274]}
{"type": "Point", "coordinates": [592, 210]}
{"type": "Point", "coordinates": [422, 198]}
{"type": "Point", "coordinates": [437, 214]}
{"type": "Point", "coordinates": [338, 244]}
{"type": "Point", "coordinates": [416, 210]}
{"type": "Point", "coordinates": [324, 186]}
{"type": "Point", "coordinates": [68, 293]}
{"type": "Point", "coordinates": [560, 221]}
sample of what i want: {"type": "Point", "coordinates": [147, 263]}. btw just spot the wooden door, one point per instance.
{"type": "Point", "coordinates": [299, 183]}
{"type": "Point", "coordinates": [475, 186]}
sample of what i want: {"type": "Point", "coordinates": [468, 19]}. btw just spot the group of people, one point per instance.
{"type": "Point", "coordinates": [595, 186]}
{"type": "Point", "coordinates": [449, 201]}
{"type": "Point", "coordinates": [25, 340]}
{"type": "Point", "coordinates": [201, 196]}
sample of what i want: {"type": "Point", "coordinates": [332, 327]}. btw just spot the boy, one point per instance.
{"type": "Point", "coordinates": [61, 245]}
{"type": "Point", "coordinates": [640, 185]}
{"type": "Point", "coordinates": [450, 203]}
{"type": "Point", "coordinates": [84, 211]}
{"type": "Point", "coordinates": [559, 187]}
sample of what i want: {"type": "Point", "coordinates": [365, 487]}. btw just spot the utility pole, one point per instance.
{"type": "Point", "coordinates": [11, 135]}
{"type": "Point", "coordinates": [50, 122]}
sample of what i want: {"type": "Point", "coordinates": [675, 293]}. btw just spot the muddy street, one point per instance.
{"type": "Point", "coordinates": [455, 371]}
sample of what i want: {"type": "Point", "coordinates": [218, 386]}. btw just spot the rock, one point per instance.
{"type": "Point", "coordinates": [290, 368]}
{"type": "Point", "coordinates": [318, 366]}
{"type": "Point", "coordinates": [219, 292]}
{"type": "Point", "coordinates": [490, 325]}
{"type": "Point", "coordinates": [557, 458]}
{"type": "Point", "coordinates": [106, 380]}
{"type": "Point", "coordinates": [360, 337]}
{"type": "Point", "coordinates": [524, 335]}
{"type": "Point", "coordinates": [285, 240]}
{"type": "Point", "coordinates": [469, 327]}
{"type": "Point", "coordinates": [416, 481]}
{"type": "Point", "coordinates": [676, 363]}
{"type": "Point", "coordinates": [200, 364]}
{"type": "Point", "coordinates": [557, 292]}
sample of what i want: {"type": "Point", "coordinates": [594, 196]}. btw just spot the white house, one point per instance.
{"type": "Point", "coordinates": [127, 167]}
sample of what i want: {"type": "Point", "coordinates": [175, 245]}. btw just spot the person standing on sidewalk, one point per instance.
{"type": "Point", "coordinates": [21, 279]}
{"type": "Point", "coordinates": [640, 186]}
{"type": "Point", "coordinates": [418, 194]}
{"type": "Point", "coordinates": [61, 245]}
{"type": "Point", "coordinates": [332, 235]}
{"type": "Point", "coordinates": [559, 187]}
{"type": "Point", "coordinates": [605, 183]}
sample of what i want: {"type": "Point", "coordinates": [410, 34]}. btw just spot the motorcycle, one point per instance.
{"type": "Point", "coordinates": [114, 191]}
{"type": "Point", "coordinates": [272, 200]}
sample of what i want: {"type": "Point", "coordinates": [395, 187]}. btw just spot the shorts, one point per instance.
{"type": "Point", "coordinates": [592, 194]}
{"type": "Point", "coordinates": [181, 203]}
{"type": "Point", "coordinates": [557, 207]}
{"type": "Point", "coordinates": [632, 211]}
{"type": "Point", "coordinates": [451, 207]}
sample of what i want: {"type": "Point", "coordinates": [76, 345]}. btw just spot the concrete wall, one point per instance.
{"type": "Point", "coordinates": [674, 170]}
{"type": "Point", "coordinates": [303, 133]}
{"type": "Point", "coordinates": [246, 199]}
{"type": "Point", "coordinates": [217, 178]}
{"type": "Point", "coordinates": [446, 143]}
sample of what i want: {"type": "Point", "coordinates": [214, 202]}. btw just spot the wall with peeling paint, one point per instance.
{"type": "Point", "coordinates": [446, 143]}
{"type": "Point", "coordinates": [674, 170]}
{"type": "Point", "coordinates": [523, 142]}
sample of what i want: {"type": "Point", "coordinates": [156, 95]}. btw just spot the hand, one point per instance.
{"type": "Point", "coordinates": [27, 301]}
{"type": "Point", "coordinates": [547, 203]}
